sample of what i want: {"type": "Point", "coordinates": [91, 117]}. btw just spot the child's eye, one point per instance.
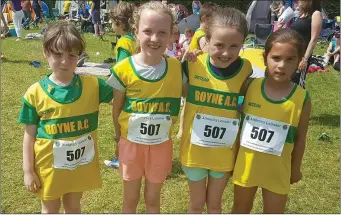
{"type": "Point", "coordinates": [147, 31]}
{"type": "Point", "coordinates": [276, 58]}
{"type": "Point", "coordinates": [163, 33]}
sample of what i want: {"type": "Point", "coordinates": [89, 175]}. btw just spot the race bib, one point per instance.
{"type": "Point", "coordinates": [71, 154]}
{"type": "Point", "coordinates": [214, 131]}
{"type": "Point", "coordinates": [149, 129]}
{"type": "Point", "coordinates": [264, 135]}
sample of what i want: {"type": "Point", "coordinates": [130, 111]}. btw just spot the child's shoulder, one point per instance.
{"type": "Point", "coordinates": [246, 62]}
{"type": "Point", "coordinates": [33, 88]}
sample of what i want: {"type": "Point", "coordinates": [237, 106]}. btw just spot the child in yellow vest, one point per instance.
{"type": "Point", "coordinates": [66, 8]}
{"type": "Point", "coordinates": [199, 38]}
{"type": "Point", "coordinates": [147, 91]}
{"type": "Point", "coordinates": [208, 151]}
{"type": "Point", "coordinates": [120, 16]}
{"type": "Point", "coordinates": [275, 123]}
{"type": "Point", "coordinates": [198, 42]}
{"type": "Point", "coordinates": [60, 113]}
{"type": "Point", "coordinates": [125, 46]}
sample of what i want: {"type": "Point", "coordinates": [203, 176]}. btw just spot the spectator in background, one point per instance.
{"type": "Point", "coordinates": [309, 26]}
{"type": "Point", "coordinates": [85, 17]}
{"type": "Point", "coordinates": [66, 9]}
{"type": "Point", "coordinates": [196, 5]}
{"type": "Point", "coordinates": [27, 7]}
{"type": "Point", "coordinates": [333, 50]}
{"type": "Point", "coordinates": [171, 49]}
{"type": "Point", "coordinates": [18, 16]}
{"type": "Point", "coordinates": [185, 39]}
{"type": "Point", "coordinates": [37, 8]}
{"type": "Point", "coordinates": [5, 29]}
{"type": "Point", "coordinates": [274, 8]}
{"type": "Point", "coordinates": [103, 4]}
{"type": "Point", "coordinates": [95, 13]}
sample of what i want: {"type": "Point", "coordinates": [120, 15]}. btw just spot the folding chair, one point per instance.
{"type": "Point", "coordinates": [327, 31]}
{"type": "Point", "coordinates": [262, 31]}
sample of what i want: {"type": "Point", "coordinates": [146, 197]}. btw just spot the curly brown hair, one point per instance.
{"type": "Point", "coordinates": [120, 14]}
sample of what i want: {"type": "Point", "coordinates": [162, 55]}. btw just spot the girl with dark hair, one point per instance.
{"type": "Point", "coordinates": [274, 128]}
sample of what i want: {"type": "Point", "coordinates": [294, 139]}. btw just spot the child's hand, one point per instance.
{"type": "Point", "coordinates": [117, 139]}
{"type": "Point", "coordinates": [296, 176]}
{"type": "Point", "coordinates": [32, 181]}
{"type": "Point", "coordinates": [191, 56]}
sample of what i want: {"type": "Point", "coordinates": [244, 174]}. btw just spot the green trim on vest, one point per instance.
{"type": "Point", "coordinates": [27, 103]}
{"type": "Point", "coordinates": [280, 101]}
{"type": "Point", "coordinates": [307, 95]}
{"type": "Point", "coordinates": [129, 36]}
{"type": "Point", "coordinates": [67, 127]}
{"type": "Point", "coordinates": [144, 79]}
{"type": "Point", "coordinates": [222, 78]}
{"type": "Point", "coordinates": [53, 94]}
{"type": "Point", "coordinates": [116, 76]}
{"type": "Point", "coordinates": [133, 105]}
{"type": "Point", "coordinates": [212, 98]}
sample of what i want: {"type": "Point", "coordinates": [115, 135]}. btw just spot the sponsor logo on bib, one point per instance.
{"type": "Point", "coordinates": [201, 78]}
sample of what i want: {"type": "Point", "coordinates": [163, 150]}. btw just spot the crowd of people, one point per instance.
{"type": "Point", "coordinates": [258, 143]}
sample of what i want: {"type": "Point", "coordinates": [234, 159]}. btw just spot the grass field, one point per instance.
{"type": "Point", "coordinates": [318, 192]}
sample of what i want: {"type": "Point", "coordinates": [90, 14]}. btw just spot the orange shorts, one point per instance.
{"type": "Point", "coordinates": [152, 161]}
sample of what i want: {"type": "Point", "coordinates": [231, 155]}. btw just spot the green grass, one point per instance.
{"type": "Point", "coordinates": [318, 192]}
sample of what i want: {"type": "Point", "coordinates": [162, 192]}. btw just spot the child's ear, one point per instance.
{"type": "Point", "coordinates": [203, 19]}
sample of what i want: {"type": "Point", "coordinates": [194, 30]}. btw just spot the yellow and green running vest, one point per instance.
{"type": "Point", "coordinates": [126, 42]}
{"type": "Point", "coordinates": [211, 119]}
{"type": "Point", "coordinates": [199, 33]}
{"type": "Point", "coordinates": [151, 106]}
{"type": "Point", "coordinates": [267, 138]}
{"type": "Point", "coordinates": [66, 142]}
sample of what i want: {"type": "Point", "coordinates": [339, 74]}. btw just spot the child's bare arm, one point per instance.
{"type": "Point", "coordinates": [329, 49]}
{"type": "Point", "coordinates": [118, 102]}
{"type": "Point", "coordinates": [299, 143]}
{"type": "Point", "coordinates": [31, 179]}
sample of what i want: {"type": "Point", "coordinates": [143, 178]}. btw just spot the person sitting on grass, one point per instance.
{"type": "Point", "coordinates": [85, 17]}
{"type": "Point", "coordinates": [333, 50]}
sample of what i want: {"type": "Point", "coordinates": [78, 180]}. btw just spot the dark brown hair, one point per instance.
{"type": "Point", "coordinates": [310, 6]}
{"type": "Point", "coordinates": [207, 9]}
{"type": "Point", "coordinates": [227, 17]}
{"type": "Point", "coordinates": [120, 14]}
{"type": "Point", "coordinates": [63, 36]}
{"type": "Point", "coordinates": [285, 35]}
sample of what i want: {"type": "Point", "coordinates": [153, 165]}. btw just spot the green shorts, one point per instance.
{"type": "Point", "coordinates": [196, 174]}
